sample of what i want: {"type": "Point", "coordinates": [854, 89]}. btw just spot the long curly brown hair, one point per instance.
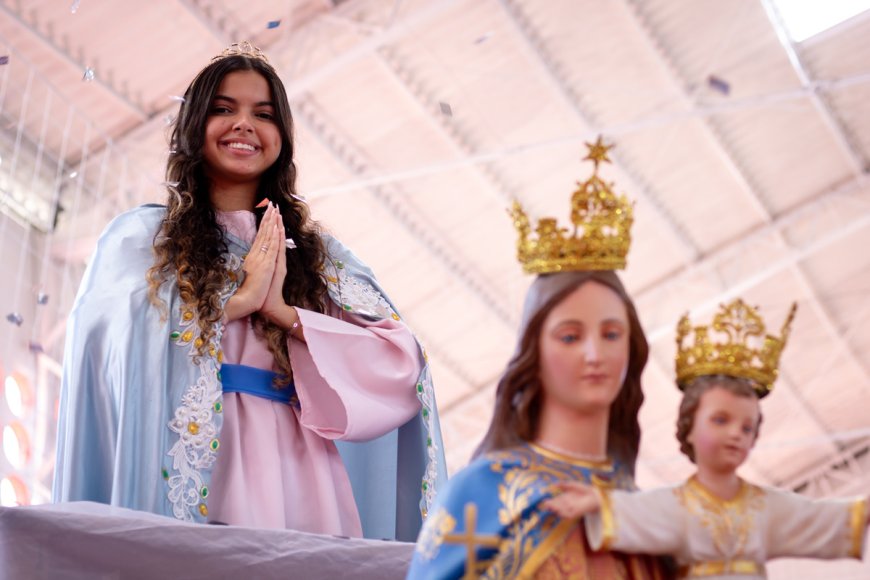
{"type": "Point", "coordinates": [692, 400]}
{"type": "Point", "coordinates": [519, 394]}
{"type": "Point", "coordinates": [189, 245]}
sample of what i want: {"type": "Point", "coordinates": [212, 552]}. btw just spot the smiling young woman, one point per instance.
{"type": "Point", "coordinates": [249, 363]}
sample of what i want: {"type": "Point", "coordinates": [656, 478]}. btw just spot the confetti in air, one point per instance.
{"type": "Point", "coordinates": [176, 98]}
{"type": "Point", "coordinates": [4, 59]}
{"type": "Point", "coordinates": [89, 75]}
{"type": "Point", "coordinates": [273, 24]}
{"type": "Point", "coordinates": [483, 38]}
{"type": "Point", "coordinates": [35, 347]}
{"type": "Point", "coordinates": [42, 298]}
{"type": "Point", "coordinates": [718, 85]}
{"type": "Point", "coordinates": [75, 6]}
{"type": "Point", "coordinates": [15, 318]}
{"type": "Point", "coordinates": [446, 109]}
{"type": "Point", "coordinates": [291, 245]}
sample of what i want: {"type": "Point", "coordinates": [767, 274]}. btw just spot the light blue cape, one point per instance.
{"type": "Point", "coordinates": [140, 415]}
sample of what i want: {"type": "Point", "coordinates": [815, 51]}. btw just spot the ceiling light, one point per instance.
{"type": "Point", "coordinates": [13, 492]}
{"type": "Point", "coordinates": [19, 395]}
{"type": "Point", "coordinates": [16, 445]}
{"type": "Point", "coordinates": [806, 18]}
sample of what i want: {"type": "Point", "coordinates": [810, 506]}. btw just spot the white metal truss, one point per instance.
{"type": "Point", "coordinates": [845, 475]}
{"type": "Point", "coordinates": [727, 156]}
{"type": "Point", "coordinates": [62, 51]}
{"type": "Point", "coordinates": [309, 116]}
{"type": "Point", "coordinates": [829, 118]}
{"type": "Point", "coordinates": [216, 21]}
{"type": "Point", "coordinates": [457, 135]}
{"type": "Point", "coordinates": [532, 43]}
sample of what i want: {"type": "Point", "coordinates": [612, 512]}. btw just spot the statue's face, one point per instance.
{"type": "Point", "coordinates": [724, 430]}
{"type": "Point", "coordinates": [584, 350]}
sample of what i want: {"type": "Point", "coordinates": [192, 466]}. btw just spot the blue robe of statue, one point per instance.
{"type": "Point", "coordinates": [487, 522]}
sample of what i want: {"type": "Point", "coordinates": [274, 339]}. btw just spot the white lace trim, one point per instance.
{"type": "Point", "coordinates": [195, 421]}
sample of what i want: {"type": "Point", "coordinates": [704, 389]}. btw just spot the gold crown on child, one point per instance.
{"type": "Point", "coordinates": [601, 235]}
{"type": "Point", "coordinates": [744, 350]}
{"type": "Point", "coordinates": [243, 48]}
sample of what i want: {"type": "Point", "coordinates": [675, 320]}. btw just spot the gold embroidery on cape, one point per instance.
{"type": "Point", "coordinates": [434, 530]}
{"type": "Point", "coordinates": [471, 543]}
{"type": "Point", "coordinates": [520, 554]}
{"type": "Point", "coordinates": [729, 522]}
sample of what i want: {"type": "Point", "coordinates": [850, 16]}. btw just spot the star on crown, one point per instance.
{"type": "Point", "coordinates": [743, 350]}
{"type": "Point", "coordinates": [601, 235]}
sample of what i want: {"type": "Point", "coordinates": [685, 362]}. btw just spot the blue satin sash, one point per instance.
{"type": "Point", "coordinates": [257, 382]}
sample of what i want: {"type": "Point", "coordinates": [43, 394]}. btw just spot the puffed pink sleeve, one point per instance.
{"type": "Point", "coordinates": [355, 378]}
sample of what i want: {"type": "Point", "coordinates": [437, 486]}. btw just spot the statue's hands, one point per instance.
{"type": "Point", "coordinates": [573, 500]}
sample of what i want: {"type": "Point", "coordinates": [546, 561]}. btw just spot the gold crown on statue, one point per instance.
{"type": "Point", "coordinates": [601, 235]}
{"type": "Point", "coordinates": [745, 351]}
{"type": "Point", "coordinates": [243, 48]}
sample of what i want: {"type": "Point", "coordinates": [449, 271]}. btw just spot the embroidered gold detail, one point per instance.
{"type": "Point", "coordinates": [729, 522]}
{"type": "Point", "coordinates": [533, 535]}
{"type": "Point", "coordinates": [608, 522]}
{"type": "Point", "coordinates": [858, 526]}
{"type": "Point", "coordinates": [569, 560]}
{"type": "Point", "coordinates": [598, 465]}
{"type": "Point", "coordinates": [740, 567]}
{"type": "Point", "coordinates": [193, 428]}
{"type": "Point", "coordinates": [471, 541]}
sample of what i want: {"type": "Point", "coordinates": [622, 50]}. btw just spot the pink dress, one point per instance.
{"type": "Point", "coordinates": [278, 466]}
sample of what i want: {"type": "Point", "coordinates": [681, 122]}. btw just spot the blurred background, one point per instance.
{"type": "Point", "coordinates": [741, 130]}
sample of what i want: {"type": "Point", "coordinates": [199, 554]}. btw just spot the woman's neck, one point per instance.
{"type": "Point", "coordinates": [566, 431]}
{"type": "Point", "coordinates": [723, 484]}
{"type": "Point", "coordinates": [233, 197]}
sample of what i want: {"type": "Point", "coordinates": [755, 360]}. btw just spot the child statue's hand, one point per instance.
{"type": "Point", "coordinates": [573, 500]}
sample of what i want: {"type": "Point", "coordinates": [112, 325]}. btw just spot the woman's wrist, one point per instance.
{"type": "Point", "coordinates": [286, 317]}
{"type": "Point", "coordinates": [238, 306]}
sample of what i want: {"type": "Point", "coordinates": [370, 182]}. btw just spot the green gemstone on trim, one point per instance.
{"type": "Point", "coordinates": [174, 335]}
{"type": "Point", "coordinates": [419, 387]}
{"type": "Point", "coordinates": [218, 407]}
{"type": "Point", "coordinates": [214, 444]}
{"type": "Point", "coordinates": [219, 376]}
{"type": "Point", "coordinates": [428, 442]}
{"type": "Point", "coordinates": [425, 413]}
{"type": "Point", "coordinates": [339, 264]}
{"type": "Point", "coordinates": [203, 492]}
{"type": "Point", "coordinates": [347, 307]}
{"type": "Point", "coordinates": [165, 473]}
{"type": "Point", "coordinates": [425, 486]}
